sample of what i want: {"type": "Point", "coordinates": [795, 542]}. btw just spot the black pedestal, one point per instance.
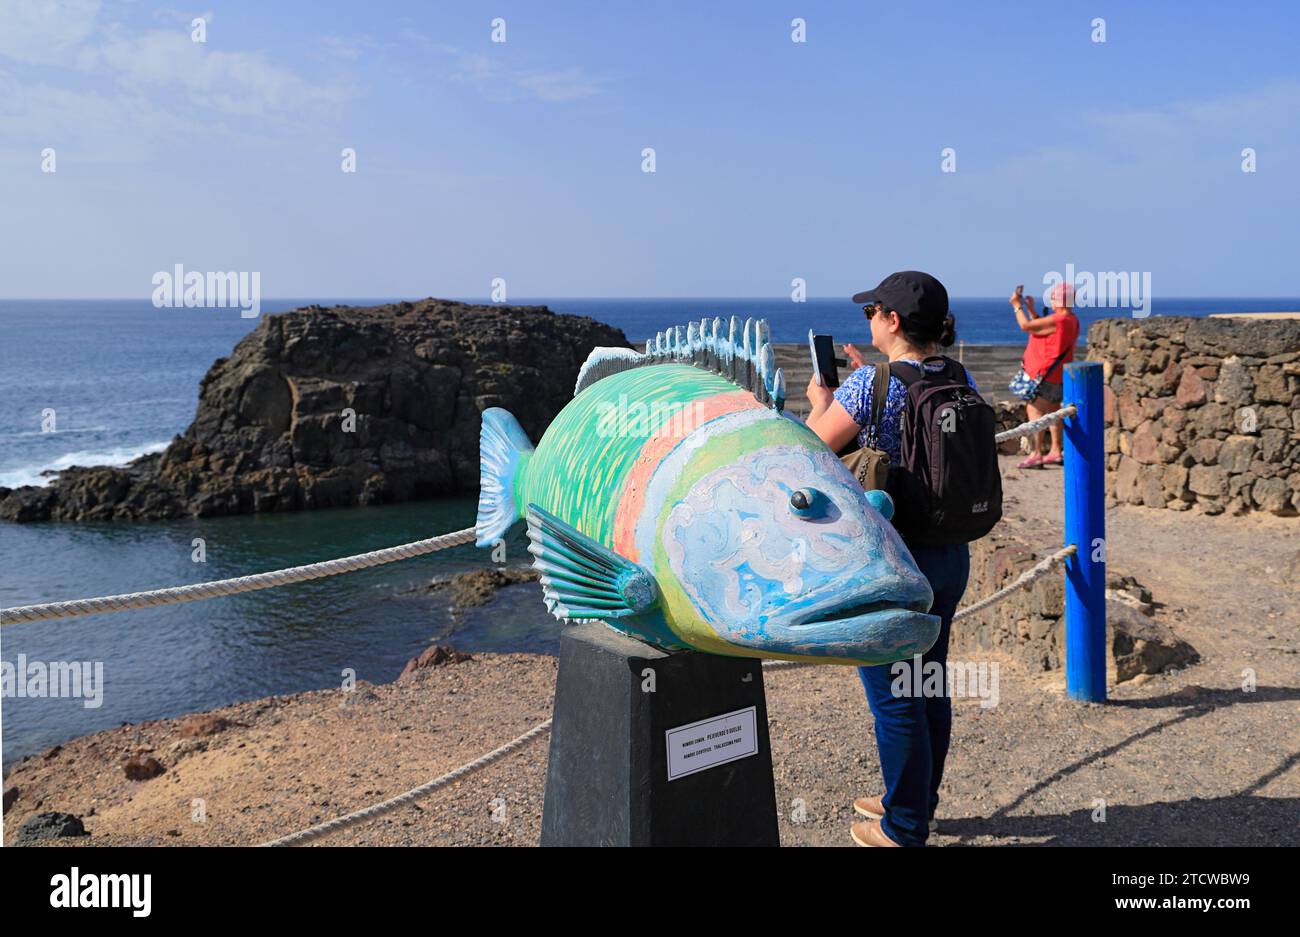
{"type": "Point", "coordinates": [627, 716]}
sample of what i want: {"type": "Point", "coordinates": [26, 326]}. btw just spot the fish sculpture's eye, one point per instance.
{"type": "Point", "coordinates": [882, 502]}
{"type": "Point", "coordinates": [807, 502]}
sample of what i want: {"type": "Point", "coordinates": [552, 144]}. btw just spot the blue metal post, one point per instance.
{"type": "Point", "coordinates": [1085, 526]}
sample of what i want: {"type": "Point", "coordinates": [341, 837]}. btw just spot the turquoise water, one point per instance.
{"type": "Point", "coordinates": [179, 658]}
{"type": "Point", "coordinates": [122, 379]}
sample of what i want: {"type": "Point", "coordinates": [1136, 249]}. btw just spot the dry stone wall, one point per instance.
{"type": "Point", "coordinates": [1202, 413]}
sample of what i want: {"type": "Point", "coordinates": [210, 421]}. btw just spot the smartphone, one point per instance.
{"type": "Point", "coordinates": [822, 348]}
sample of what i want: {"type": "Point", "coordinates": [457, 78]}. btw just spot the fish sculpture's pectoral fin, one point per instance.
{"type": "Point", "coordinates": [582, 578]}
{"type": "Point", "coordinates": [503, 448]}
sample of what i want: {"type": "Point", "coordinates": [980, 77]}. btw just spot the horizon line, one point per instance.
{"type": "Point", "coordinates": [483, 301]}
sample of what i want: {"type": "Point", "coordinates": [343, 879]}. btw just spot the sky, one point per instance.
{"type": "Point", "coordinates": [523, 160]}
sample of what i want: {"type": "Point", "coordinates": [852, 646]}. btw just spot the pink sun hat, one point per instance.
{"type": "Point", "coordinates": [1062, 294]}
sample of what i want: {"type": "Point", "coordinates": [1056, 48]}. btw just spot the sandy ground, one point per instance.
{"type": "Point", "coordinates": [1184, 758]}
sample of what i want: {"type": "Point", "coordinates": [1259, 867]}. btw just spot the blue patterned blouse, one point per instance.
{"type": "Point", "coordinates": [854, 396]}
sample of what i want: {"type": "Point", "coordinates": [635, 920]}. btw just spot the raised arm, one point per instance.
{"type": "Point", "coordinates": [1043, 325]}
{"type": "Point", "coordinates": [837, 416]}
{"type": "Point", "coordinates": [828, 419]}
{"type": "Point", "coordinates": [1026, 318]}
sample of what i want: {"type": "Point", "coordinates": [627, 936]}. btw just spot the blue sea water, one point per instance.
{"type": "Point", "coordinates": [121, 378]}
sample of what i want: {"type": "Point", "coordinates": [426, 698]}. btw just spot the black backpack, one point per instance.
{"type": "Point", "coordinates": [946, 487]}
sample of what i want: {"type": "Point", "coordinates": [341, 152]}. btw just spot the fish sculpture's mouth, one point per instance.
{"type": "Point", "coordinates": [863, 630]}
{"type": "Point", "coordinates": [847, 611]}
{"type": "Point", "coordinates": [903, 595]}
{"type": "Point", "coordinates": [888, 624]}
{"type": "Point", "coordinates": [873, 617]}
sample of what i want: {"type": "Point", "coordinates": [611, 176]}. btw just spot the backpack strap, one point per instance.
{"type": "Point", "coordinates": [879, 396]}
{"type": "Point", "coordinates": [906, 373]}
{"type": "Point", "coordinates": [953, 369]}
{"type": "Point", "coordinates": [909, 375]}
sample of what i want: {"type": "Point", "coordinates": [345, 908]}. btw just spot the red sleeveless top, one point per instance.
{"type": "Point", "coordinates": [1044, 349]}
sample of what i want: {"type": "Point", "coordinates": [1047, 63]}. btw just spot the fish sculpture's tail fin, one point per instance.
{"type": "Point", "coordinates": [503, 448]}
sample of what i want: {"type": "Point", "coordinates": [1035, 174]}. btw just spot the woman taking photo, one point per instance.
{"type": "Point", "coordinates": [1050, 348]}
{"type": "Point", "coordinates": [908, 315]}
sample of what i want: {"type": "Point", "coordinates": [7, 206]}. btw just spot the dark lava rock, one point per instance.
{"type": "Point", "coordinates": [323, 407]}
{"type": "Point", "coordinates": [10, 795]}
{"type": "Point", "coordinates": [1141, 645]}
{"type": "Point", "coordinates": [50, 826]}
{"type": "Point", "coordinates": [434, 656]}
{"type": "Point", "coordinates": [478, 586]}
{"type": "Point", "coordinates": [142, 768]}
{"type": "Point", "coordinates": [199, 725]}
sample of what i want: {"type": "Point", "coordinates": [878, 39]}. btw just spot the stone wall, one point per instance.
{"type": "Point", "coordinates": [1202, 413]}
{"type": "Point", "coordinates": [1029, 624]}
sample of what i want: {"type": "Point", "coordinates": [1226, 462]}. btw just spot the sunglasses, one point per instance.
{"type": "Point", "coordinates": [874, 308]}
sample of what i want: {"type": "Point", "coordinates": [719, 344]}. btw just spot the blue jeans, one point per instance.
{"type": "Point", "coordinates": [912, 730]}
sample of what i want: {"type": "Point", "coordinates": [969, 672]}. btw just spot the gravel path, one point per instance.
{"type": "Point", "coordinates": [1185, 758]}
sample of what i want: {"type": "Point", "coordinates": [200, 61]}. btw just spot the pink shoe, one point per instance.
{"type": "Point", "coordinates": [1034, 461]}
{"type": "Point", "coordinates": [1053, 460]}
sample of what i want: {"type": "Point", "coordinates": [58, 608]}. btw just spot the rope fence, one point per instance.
{"type": "Point", "coordinates": [281, 577]}
{"type": "Point", "coordinates": [1027, 578]}
{"type": "Point", "coordinates": [366, 813]}
{"type": "Point", "coordinates": [1033, 573]}
{"type": "Point", "coordinates": [1038, 425]}
{"type": "Point", "coordinates": [220, 587]}
{"type": "Point", "coordinates": [1037, 571]}
{"type": "Point", "coordinates": [347, 564]}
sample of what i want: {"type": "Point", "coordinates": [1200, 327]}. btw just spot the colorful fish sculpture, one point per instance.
{"type": "Point", "coordinates": [673, 500]}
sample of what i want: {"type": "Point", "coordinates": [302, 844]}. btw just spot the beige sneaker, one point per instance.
{"type": "Point", "coordinates": [869, 833]}
{"type": "Point", "coordinates": [873, 808]}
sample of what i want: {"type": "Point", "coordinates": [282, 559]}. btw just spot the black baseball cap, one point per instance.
{"type": "Point", "coordinates": [916, 296]}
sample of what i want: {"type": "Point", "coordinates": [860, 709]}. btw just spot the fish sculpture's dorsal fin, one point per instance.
{"type": "Point", "coordinates": [602, 362]}
{"type": "Point", "coordinates": [740, 352]}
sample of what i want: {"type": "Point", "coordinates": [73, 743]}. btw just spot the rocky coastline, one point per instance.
{"type": "Point", "coordinates": [325, 407]}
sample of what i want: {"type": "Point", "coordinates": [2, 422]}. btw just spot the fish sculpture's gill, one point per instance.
{"type": "Point", "coordinates": [673, 500]}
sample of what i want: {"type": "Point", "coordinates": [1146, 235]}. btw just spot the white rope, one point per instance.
{"type": "Point", "coordinates": [1033, 573]}
{"type": "Point", "coordinates": [211, 590]}
{"type": "Point", "coordinates": [329, 826]}
{"type": "Point", "coordinates": [1034, 426]}
{"type": "Point", "coordinates": [207, 590]}
{"type": "Point", "coordinates": [1037, 571]}
{"type": "Point", "coordinates": [347, 564]}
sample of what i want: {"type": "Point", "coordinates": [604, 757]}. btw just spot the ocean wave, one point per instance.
{"type": "Point", "coordinates": [65, 432]}
{"type": "Point", "coordinates": [119, 455]}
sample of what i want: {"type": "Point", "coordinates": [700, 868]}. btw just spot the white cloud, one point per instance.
{"type": "Point", "coordinates": [143, 66]}
{"type": "Point", "coordinates": [504, 83]}
{"type": "Point", "coordinates": [231, 82]}
{"type": "Point", "coordinates": [45, 32]}
{"type": "Point", "coordinates": [350, 48]}
{"type": "Point", "coordinates": [99, 128]}
{"type": "Point", "coordinates": [568, 85]}
{"type": "Point", "coordinates": [1247, 117]}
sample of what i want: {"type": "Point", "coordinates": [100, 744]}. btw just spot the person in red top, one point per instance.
{"type": "Point", "coordinates": [1051, 347]}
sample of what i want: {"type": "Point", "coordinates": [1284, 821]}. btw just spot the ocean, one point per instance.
{"type": "Point", "coordinates": [119, 378]}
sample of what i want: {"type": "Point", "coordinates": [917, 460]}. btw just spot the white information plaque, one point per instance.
{"type": "Point", "coordinates": [712, 742]}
